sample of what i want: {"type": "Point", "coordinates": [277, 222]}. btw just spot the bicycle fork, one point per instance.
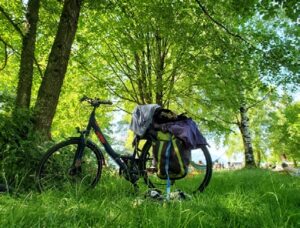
{"type": "Point", "coordinates": [77, 162]}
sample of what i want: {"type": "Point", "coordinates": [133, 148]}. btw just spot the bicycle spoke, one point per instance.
{"type": "Point", "coordinates": [58, 170]}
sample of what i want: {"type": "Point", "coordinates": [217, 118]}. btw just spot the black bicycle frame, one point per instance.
{"type": "Point", "coordinates": [92, 124]}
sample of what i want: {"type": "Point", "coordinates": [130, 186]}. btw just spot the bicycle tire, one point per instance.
{"type": "Point", "coordinates": [54, 169]}
{"type": "Point", "coordinates": [193, 182]}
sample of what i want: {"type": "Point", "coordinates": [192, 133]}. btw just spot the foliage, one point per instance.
{"type": "Point", "coordinates": [245, 198]}
{"type": "Point", "coordinates": [284, 130]}
{"type": "Point", "coordinates": [235, 145]}
{"type": "Point", "coordinates": [20, 148]}
{"type": "Point", "coordinates": [135, 52]}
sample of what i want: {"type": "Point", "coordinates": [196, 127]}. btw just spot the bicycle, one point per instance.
{"type": "Point", "coordinates": [78, 160]}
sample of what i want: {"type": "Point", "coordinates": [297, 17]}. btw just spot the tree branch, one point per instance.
{"type": "Point", "coordinates": [259, 101]}
{"type": "Point", "coordinates": [121, 109]}
{"type": "Point", "coordinates": [219, 24]}
{"type": "Point", "coordinates": [5, 54]}
{"type": "Point", "coordinates": [8, 17]}
{"type": "Point", "coordinates": [95, 77]}
{"type": "Point", "coordinates": [17, 28]}
{"type": "Point", "coordinates": [38, 66]}
{"type": "Point", "coordinates": [266, 54]}
{"type": "Point", "coordinates": [9, 45]}
{"type": "Point", "coordinates": [196, 117]}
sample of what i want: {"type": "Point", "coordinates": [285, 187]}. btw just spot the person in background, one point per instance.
{"type": "Point", "coordinates": [286, 167]}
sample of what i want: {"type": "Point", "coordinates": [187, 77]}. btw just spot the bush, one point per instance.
{"type": "Point", "coordinates": [20, 148]}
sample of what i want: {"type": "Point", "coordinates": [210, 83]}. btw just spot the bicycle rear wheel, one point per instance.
{"type": "Point", "coordinates": [196, 180]}
{"type": "Point", "coordinates": [57, 169]}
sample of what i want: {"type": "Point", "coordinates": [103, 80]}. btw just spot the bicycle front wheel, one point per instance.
{"type": "Point", "coordinates": [57, 169]}
{"type": "Point", "coordinates": [196, 180]}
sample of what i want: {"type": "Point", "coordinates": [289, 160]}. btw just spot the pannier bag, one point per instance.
{"type": "Point", "coordinates": [176, 134]}
{"type": "Point", "coordinates": [176, 164]}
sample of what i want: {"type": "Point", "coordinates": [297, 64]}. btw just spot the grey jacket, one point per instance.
{"type": "Point", "coordinates": [142, 117]}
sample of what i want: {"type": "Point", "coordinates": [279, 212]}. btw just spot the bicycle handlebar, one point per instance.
{"type": "Point", "coordinates": [95, 102]}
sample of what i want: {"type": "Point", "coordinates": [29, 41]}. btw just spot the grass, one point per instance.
{"type": "Point", "coordinates": [245, 198]}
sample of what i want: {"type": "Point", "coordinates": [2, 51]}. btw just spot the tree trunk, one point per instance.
{"type": "Point", "coordinates": [149, 70]}
{"type": "Point", "coordinates": [159, 66]}
{"type": "Point", "coordinates": [258, 152]}
{"type": "Point", "coordinates": [27, 56]}
{"type": "Point", "coordinates": [52, 82]}
{"type": "Point", "coordinates": [247, 140]}
{"type": "Point", "coordinates": [295, 162]}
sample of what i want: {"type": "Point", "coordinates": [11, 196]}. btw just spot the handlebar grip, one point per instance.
{"type": "Point", "coordinates": [106, 102]}
{"type": "Point", "coordinates": [95, 102]}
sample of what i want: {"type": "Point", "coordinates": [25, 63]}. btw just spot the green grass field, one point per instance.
{"type": "Point", "coordinates": [245, 198]}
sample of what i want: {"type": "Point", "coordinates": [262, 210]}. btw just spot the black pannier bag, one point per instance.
{"type": "Point", "coordinates": [162, 116]}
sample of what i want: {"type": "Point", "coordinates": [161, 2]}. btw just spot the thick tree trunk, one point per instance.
{"type": "Point", "coordinates": [27, 56]}
{"type": "Point", "coordinates": [52, 82]}
{"type": "Point", "coordinates": [247, 140]}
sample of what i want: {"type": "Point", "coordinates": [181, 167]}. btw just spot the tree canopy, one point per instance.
{"type": "Point", "coordinates": [222, 62]}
